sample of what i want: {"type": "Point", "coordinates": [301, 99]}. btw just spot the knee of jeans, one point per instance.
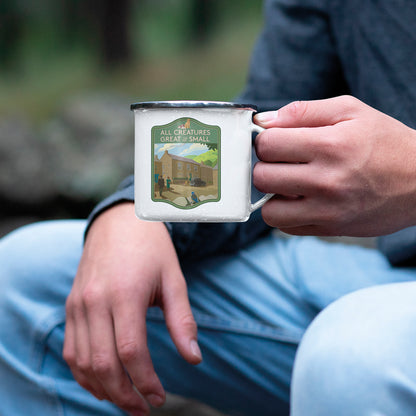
{"type": "Point", "coordinates": [34, 257]}
{"type": "Point", "coordinates": [21, 257]}
{"type": "Point", "coordinates": [354, 346]}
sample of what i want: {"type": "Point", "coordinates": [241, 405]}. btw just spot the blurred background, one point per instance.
{"type": "Point", "coordinates": [69, 71]}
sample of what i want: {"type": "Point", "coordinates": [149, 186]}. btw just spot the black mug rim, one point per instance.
{"type": "Point", "coordinates": [191, 104]}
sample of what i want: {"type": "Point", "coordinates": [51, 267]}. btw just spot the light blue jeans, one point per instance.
{"type": "Point", "coordinates": [253, 308]}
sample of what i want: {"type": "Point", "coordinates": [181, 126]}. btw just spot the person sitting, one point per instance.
{"type": "Point", "coordinates": [102, 316]}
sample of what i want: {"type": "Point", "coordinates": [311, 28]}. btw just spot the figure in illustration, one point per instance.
{"type": "Point", "coordinates": [194, 198]}
{"type": "Point", "coordinates": [168, 182]}
{"type": "Point", "coordinates": [161, 184]}
{"type": "Point", "coordinates": [186, 125]}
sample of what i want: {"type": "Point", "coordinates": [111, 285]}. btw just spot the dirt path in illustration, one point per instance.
{"type": "Point", "coordinates": [177, 191]}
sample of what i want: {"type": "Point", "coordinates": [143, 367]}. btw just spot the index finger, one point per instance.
{"type": "Point", "coordinates": [314, 113]}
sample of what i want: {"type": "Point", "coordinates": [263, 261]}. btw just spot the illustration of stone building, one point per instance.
{"type": "Point", "coordinates": [182, 169]}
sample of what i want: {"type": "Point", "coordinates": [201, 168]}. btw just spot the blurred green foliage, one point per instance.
{"type": "Point", "coordinates": [177, 49]}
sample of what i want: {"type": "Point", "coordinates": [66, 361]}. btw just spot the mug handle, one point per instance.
{"type": "Point", "coordinates": [266, 197]}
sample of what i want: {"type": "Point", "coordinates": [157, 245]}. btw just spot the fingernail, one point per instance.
{"type": "Point", "coordinates": [196, 350]}
{"type": "Point", "coordinates": [266, 116]}
{"type": "Point", "coordinates": [155, 400]}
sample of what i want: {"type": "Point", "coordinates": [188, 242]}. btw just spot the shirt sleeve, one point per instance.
{"type": "Point", "coordinates": [124, 193]}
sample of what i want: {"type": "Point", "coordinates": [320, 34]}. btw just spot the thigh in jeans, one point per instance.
{"type": "Point", "coordinates": [250, 318]}
{"type": "Point", "coordinates": [38, 264]}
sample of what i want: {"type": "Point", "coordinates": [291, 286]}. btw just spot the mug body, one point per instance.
{"type": "Point", "coordinates": [193, 161]}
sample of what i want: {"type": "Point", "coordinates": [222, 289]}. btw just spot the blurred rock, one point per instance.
{"type": "Point", "coordinates": [75, 159]}
{"type": "Point", "coordinates": [91, 140]}
{"type": "Point", "coordinates": [24, 172]}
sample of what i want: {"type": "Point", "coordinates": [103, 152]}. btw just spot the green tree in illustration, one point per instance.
{"type": "Point", "coordinates": [211, 146]}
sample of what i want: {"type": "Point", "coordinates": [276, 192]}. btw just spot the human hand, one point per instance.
{"type": "Point", "coordinates": [127, 266]}
{"type": "Point", "coordinates": [337, 167]}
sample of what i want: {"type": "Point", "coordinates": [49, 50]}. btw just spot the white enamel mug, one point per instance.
{"type": "Point", "coordinates": [193, 161]}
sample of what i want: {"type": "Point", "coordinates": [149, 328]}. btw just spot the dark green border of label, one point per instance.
{"type": "Point", "coordinates": [219, 161]}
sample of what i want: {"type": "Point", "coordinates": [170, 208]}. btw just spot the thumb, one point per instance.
{"type": "Point", "coordinates": [318, 113]}
{"type": "Point", "coordinates": [180, 320]}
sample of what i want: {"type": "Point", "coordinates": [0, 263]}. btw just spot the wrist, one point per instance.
{"type": "Point", "coordinates": [119, 222]}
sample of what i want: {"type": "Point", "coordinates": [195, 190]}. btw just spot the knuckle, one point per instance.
{"type": "Point", "coordinates": [129, 351]}
{"type": "Point", "coordinates": [92, 297]}
{"type": "Point", "coordinates": [269, 216]}
{"type": "Point", "coordinates": [348, 105]}
{"type": "Point", "coordinates": [186, 321]}
{"type": "Point", "coordinates": [335, 212]}
{"type": "Point", "coordinates": [101, 366]}
{"type": "Point", "coordinates": [74, 308]}
{"type": "Point", "coordinates": [263, 145]}
{"type": "Point", "coordinates": [69, 304]}
{"type": "Point", "coordinates": [125, 400]}
{"type": "Point", "coordinates": [148, 382]}
{"type": "Point", "coordinates": [327, 185]}
{"type": "Point", "coordinates": [259, 176]}
{"type": "Point", "coordinates": [296, 109]}
{"type": "Point", "coordinates": [337, 184]}
{"type": "Point", "coordinates": [69, 356]}
{"type": "Point", "coordinates": [329, 190]}
{"type": "Point", "coordinates": [349, 101]}
{"type": "Point", "coordinates": [83, 365]}
{"type": "Point", "coordinates": [336, 148]}
{"type": "Point", "coordinates": [330, 146]}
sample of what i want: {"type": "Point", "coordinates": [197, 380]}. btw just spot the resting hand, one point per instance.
{"type": "Point", "coordinates": [338, 167]}
{"type": "Point", "coordinates": [127, 266]}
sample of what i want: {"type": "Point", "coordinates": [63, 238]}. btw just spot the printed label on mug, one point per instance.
{"type": "Point", "coordinates": [186, 163]}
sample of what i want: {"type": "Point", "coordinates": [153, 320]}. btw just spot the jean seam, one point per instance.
{"type": "Point", "coordinates": [42, 331]}
{"type": "Point", "coordinates": [237, 326]}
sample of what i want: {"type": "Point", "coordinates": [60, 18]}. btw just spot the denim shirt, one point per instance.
{"type": "Point", "coordinates": [315, 49]}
